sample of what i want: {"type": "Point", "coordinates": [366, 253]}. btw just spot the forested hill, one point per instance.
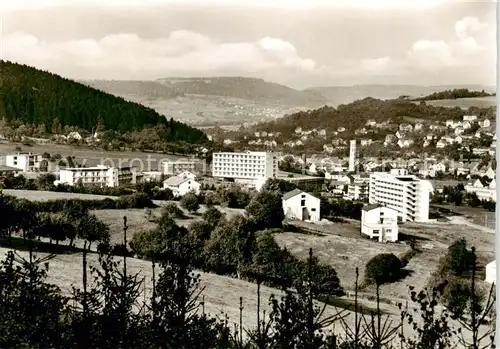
{"type": "Point", "coordinates": [355, 115]}
{"type": "Point", "coordinates": [251, 89]}
{"type": "Point", "coordinates": [455, 94]}
{"type": "Point", "coordinates": [33, 96]}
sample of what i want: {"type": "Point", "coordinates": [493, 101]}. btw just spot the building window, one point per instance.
{"type": "Point", "coordinates": [302, 202]}
{"type": "Point", "coordinates": [313, 209]}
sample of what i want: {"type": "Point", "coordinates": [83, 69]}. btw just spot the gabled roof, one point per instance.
{"type": "Point", "coordinates": [175, 181]}
{"type": "Point", "coordinates": [293, 193]}
{"type": "Point", "coordinates": [371, 207]}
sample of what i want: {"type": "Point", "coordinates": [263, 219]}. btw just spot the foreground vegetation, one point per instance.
{"type": "Point", "coordinates": [115, 310]}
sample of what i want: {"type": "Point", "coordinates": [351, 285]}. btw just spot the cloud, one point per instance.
{"type": "Point", "coordinates": [471, 50]}
{"type": "Point", "coordinates": [129, 56]}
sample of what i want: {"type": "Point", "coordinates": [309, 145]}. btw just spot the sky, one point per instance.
{"type": "Point", "coordinates": [297, 43]}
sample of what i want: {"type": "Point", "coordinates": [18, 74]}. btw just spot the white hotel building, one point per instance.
{"type": "Point", "coordinates": [407, 194]}
{"type": "Point", "coordinates": [99, 175]}
{"type": "Point", "coordinates": [26, 162]}
{"type": "Point", "coordinates": [250, 168]}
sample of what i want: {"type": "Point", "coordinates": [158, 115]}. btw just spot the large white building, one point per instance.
{"type": "Point", "coordinates": [26, 162]}
{"type": "Point", "coordinates": [250, 168]}
{"type": "Point", "coordinates": [407, 194]}
{"type": "Point", "coordinates": [99, 175]}
{"type": "Point", "coordinates": [379, 222]}
{"type": "Point", "coordinates": [300, 205]}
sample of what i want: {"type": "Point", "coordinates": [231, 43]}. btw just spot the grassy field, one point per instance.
{"type": "Point", "coordinates": [138, 221]}
{"type": "Point", "coordinates": [342, 253]}
{"type": "Point", "coordinates": [476, 215]}
{"type": "Point", "coordinates": [92, 157]}
{"type": "Point", "coordinates": [480, 102]}
{"type": "Point", "coordinates": [35, 195]}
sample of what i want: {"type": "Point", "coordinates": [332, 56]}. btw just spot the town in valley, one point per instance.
{"type": "Point", "coordinates": [165, 177]}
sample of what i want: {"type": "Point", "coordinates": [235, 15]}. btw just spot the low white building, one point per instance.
{"type": "Point", "coordinates": [379, 222]}
{"type": "Point", "coordinates": [26, 162]}
{"type": "Point", "coordinates": [483, 192]}
{"type": "Point", "coordinates": [300, 205]}
{"type": "Point", "coordinates": [180, 186]}
{"type": "Point", "coordinates": [99, 175]}
{"type": "Point", "coordinates": [491, 272]}
{"type": "Point", "coordinates": [174, 168]}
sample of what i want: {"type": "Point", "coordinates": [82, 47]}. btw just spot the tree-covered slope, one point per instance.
{"type": "Point", "coordinates": [32, 96]}
{"type": "Point", "coordinates": [455, 94]}
{"type": "Point", "coordinates": [149, 89]}
{"type": "Point", "coordinates": [252, 89]}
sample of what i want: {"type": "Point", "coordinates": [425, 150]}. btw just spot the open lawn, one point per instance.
{"type": "Point", "coordinates": [35, 195]}
{"type": "Point", "coordinates": [480, 102]}
{"type": "Point", "coordinates": [92, 157]}
{"type": "Point", "coordinates": [138, 221]}
{"type": "Point", "coordinates": [345, 250]}
{"type": "Point", "coordinates": [341, 252]}
{"type": "Point", "coordinates": [476, 215]}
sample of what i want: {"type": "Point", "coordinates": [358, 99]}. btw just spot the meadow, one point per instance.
{"type": "Point", "coordinates": [480, 102]}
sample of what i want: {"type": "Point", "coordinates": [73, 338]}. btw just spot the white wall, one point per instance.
{"type": "Point", "coordinates": [380, 223]}
{"type": "Point", "coordinates": [184, 188]}
{"type": "Point", "coordinates": [491, 272]}
{"type": "Point", "coordinates": [21, 161]}
{"type": "Point", "coordinates": [293, 207]}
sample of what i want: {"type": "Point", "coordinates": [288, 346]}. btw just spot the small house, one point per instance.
{"type": "Point", "coordinates": [300, 205]}
{"type": "Point", "coordinates": [180, 186]}
{"type": "Point", "coordinates": [380, 223]}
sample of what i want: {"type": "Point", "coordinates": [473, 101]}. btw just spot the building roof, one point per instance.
{"type": "Point", "coordinates": [295, 192]}
{"type": "Point", "coordinates": [175, 181]}
{"type": "Point", "coordinates": [291, 194]}
{"type": "Point", "coordinates": [371, 207]}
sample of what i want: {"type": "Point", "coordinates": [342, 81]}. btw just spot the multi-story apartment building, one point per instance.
{"type": "Point", "coordinates": [358, 189]}
{"type": "Point", "coordinates": [26, 162]}
{"type": "Point", "coordinates": [407, 194]}
{"type": "Point", "coordinates": [252, 168]}
{"type": "Point", "coordinates": [173, 168]}
{"type": "Point", "coordinates": [100, 175]}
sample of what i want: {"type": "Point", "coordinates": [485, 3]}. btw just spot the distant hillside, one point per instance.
{"type": "Point", "coordinates": [355, 115]}
{"type": "Point", "coordinates": [455, 94]}
{"type": "Point", "coordinates": [32, 96]}
{"type": "Point", "coordinates": [337, 95]}
{"type": "Point", "coordinates": [149, 89]}
{"type": "Point", "coordinates": [252, 89]}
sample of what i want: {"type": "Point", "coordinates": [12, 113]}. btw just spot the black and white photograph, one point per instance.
{"type": "Point", "coordinates": [264, 174]}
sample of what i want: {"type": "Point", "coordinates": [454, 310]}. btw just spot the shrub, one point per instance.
{"type": "Point", "coordinates": [212, 216]}
{"type": "Point", "coordinates": [383, 268]}
{"type": "Point", "coordinates": [172, 210]}
{"type": "Point", "coordinates": [190, 202]}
